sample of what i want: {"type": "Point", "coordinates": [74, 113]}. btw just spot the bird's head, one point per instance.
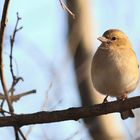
{"type": "Point", "coordinates": [114, 38]}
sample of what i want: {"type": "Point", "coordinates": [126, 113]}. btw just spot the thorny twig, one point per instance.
{"type": "Point", "coordinates": [64, 6]}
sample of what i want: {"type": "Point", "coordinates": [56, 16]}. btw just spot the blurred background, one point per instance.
{"type": "Point", "coordinates": [53, 53]}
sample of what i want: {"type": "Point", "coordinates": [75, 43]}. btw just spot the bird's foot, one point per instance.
{"type": "Point", "coordinates": [123, 97]}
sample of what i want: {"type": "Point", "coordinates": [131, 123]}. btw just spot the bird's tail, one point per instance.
{"type": "Point", "coordinates": [127, 114]}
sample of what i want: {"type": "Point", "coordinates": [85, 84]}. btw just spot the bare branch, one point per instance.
{"type": "Point", "coordinates": [2, 31]}
{"type": "Point", "coordinates": [15, 98]}
{"type": "Point", "coordinates": [12, 41]}
{"type": "Point", "coordinates": [18, 96]}
{"type": "Point", "coordinates": [22, 135]}
{"type": "Point", "coordinates": [71, 113]}
{"type": "Point", "coordinates": [64, 6]}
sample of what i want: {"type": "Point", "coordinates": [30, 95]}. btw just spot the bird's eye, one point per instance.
{"type": "Point", "coordinates": [113, 38]}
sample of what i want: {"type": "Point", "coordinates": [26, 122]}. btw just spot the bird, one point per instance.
{"type": "Point", "coordinates": [114, 67]}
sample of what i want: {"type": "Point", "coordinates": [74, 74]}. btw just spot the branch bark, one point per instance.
{"type": "Point", "coordinates": [70, 114]}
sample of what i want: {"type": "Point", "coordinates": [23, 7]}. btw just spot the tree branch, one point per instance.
{"type": "Point", "coordinates": [64, 6]}
{"type": "Point", "coordinates": [12, 41]}
{"type": "Point", "coordinates": [17, 97]}
{"type": "Point", "coordinates": [2, 78]}
{"type": "Point", "coordinates": [71, 113]}
{"type": "Point", "coordinates": [2, 31]}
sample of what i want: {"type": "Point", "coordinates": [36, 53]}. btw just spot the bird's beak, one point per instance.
{"type": "Point", "coordinates": [102, 39]}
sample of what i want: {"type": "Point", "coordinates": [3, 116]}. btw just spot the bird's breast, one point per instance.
{"type": "Point", "coordinates": [114, 71]}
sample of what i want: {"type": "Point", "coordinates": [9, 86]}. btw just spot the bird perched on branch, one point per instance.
{"type": "Point", "coordinates": [114, 67]}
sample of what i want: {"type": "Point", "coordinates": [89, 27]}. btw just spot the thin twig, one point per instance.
{"type": "Point", "coordinates": [22, 135]}
{"type": "Point", "coordinates": [16, 133]}
{"type": "Point", "coordinates": [46, 98]}
{"type": "Point", "coordinates": [64, 6]}
{"type": "Point", "coordinates": [18, 96]}
{"type": "Point", "coordinates": [15, 98]}
{"type": "Point", "coordinates": [2, 111]}
{"type": "Point", "coordinates": [12, 40]}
